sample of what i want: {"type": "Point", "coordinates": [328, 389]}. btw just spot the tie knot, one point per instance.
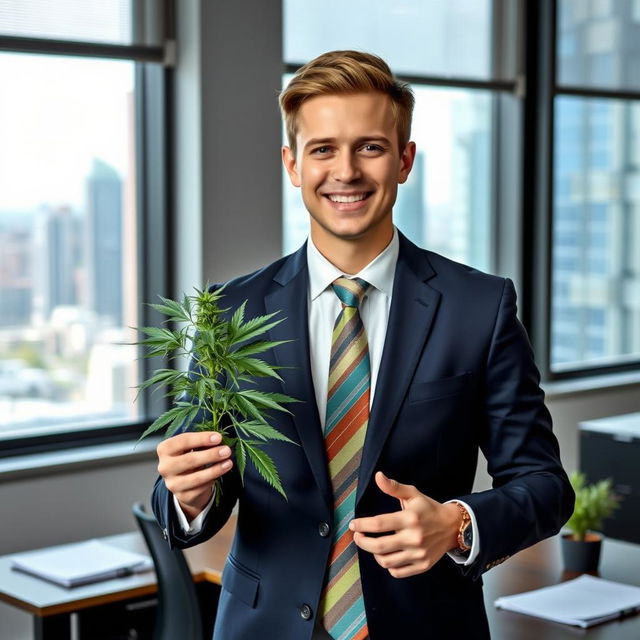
{"type": "Point", "coordinates": [351, 292]}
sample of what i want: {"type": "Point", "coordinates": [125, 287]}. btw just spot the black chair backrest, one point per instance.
{"type": "Point", "coordinates": [178, 616]}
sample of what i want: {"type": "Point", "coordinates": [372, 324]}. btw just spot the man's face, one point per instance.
{"type": "Point", "coordinates": [348, 164]}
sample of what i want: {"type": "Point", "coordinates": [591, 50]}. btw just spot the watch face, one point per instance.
{"type": "Point", "coordinates": [467, 535]}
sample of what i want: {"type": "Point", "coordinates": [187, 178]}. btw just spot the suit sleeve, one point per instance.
{"type": "Point", "coordinates": [531, 496]}
{"type": "Point", "coordinates": [164, 511]}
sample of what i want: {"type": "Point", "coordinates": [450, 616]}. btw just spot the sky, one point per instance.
{"type": "Point", "coordinates": [56, 114]}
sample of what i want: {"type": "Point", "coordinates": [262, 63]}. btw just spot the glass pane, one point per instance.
{"type": "Point", "coordinates": [444, 206]}
{"type": "Point", "coordinates": [599, 43]}
{"type": "Point", "coordinates": [106, 21]}
{"type": "Point", "coordinates": [416, 37]}
{"type": "Point", "coordinates": [596, 233]}
{"type": "Point", "coordinates": [67, 239]}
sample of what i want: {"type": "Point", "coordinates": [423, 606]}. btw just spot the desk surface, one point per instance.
{"type": "Point", "coordinates": [42, 598]}
{"type": "Point", "coordinates": [535, 567]}
{"type": "Point", "coordinates": [541, 566]}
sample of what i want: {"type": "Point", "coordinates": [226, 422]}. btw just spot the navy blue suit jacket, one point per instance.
{"type": "Point", "coordinates": [457, 375]}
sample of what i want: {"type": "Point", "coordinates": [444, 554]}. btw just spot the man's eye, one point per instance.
{"type": "Point", "coordinates": [321, 150]}
{"type": "Point", "coordinates": [372, 148]}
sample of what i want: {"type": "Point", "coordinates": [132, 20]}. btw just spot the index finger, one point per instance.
{"type": "Point", "coordinates": [384, 523]}
{"type": "Point", "coordinates": [184, 442]}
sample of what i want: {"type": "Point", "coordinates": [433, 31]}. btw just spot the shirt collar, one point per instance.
{"type": "Point", "coordinates": [379, 272]}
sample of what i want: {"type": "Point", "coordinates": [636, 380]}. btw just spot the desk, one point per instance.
{"type": "Point", "coordinates": [536, 567]}
{"type": "Point", "coordinates": [52, 606]}
{"type": "Point", "coordinates": [541, 566]}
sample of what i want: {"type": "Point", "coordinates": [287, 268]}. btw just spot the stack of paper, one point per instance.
{"type": "Point", "coordinates": [582, 602]}
{"type": "Point", "coordinates": [81, 563]}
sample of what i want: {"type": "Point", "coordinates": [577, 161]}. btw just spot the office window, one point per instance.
{"type": "Point", "coordinates": [595, 253]}
{"type": "Point", "coordinates": [599, 44]}
{"type": "Point", "coordinates": [67, 239]}
{"type": "Point", "coordinates": [415, 37]}
{"type": "Point", "coordinates": [120, 22]}
{"type": "Point", "coordinates": [73, 216]}
{"type": "Point", "coordinates": [444, 205]}
{"type": "Point", "coordinates": [446, 51]}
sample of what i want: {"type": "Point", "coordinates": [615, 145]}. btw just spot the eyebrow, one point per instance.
{"type": "Point", "coordinates": [320, 141]}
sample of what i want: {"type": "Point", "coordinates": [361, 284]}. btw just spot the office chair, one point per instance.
{"type": "Point", "coordinates": [178, 614]}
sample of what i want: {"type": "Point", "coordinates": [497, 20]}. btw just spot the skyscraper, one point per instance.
{"type": "Point", "coordinates": [596, 217]}
{"type": "Point", "coordinates": [16, 279]}
{"type": "Point", "coordinates": [60, 258]}
{"type": "Point", "coordinates": [103, 243]}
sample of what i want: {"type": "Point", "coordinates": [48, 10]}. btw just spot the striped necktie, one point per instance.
{"type": "Point", "coordinates": [342, 606]}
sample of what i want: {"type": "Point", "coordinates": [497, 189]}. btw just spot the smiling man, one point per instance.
{"type": "Point", "coordinates": [348, 160]}
{"type": "Point", "coordinates": [408, 364]}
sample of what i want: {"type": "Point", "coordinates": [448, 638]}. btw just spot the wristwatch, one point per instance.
{"type": "Point", "coordinates": [465, 533]}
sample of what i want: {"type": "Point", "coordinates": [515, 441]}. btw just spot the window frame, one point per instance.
{"type": "Point", "coordinates": [506, 88]}
{"type": "Point", "coordinates": [537, 259]}
{"type": "Point", "coordinates": [153, 135]}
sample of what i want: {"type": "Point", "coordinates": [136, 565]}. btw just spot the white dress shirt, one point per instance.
{"type": "Point", "coordinates": [323, 306]}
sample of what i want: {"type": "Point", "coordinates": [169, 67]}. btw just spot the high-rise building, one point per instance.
{"type": "Point", "coordinates": [16, 279]}
{"type": "Point", "coordinates": [103, 243]}
{"type": "Point", "coordinates": [59, 258]}
{"type": "Point", "coordinates": [596, 218]}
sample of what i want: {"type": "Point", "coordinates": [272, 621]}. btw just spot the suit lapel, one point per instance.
{"type": "Point", "coordinates": [413, 308]}
{"type": "Point", "coordinates": [290, 299]}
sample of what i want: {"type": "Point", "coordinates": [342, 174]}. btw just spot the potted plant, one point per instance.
{"type": "Point", "coordinates": [594, 503]}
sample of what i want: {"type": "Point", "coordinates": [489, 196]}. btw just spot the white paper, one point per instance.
{"type": "Point", "coordinates": [81, 563]}
{"type": "Point", "coordinates": [583, 602]}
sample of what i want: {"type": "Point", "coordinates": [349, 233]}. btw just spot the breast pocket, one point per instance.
{"type": "Point", "coordinates": [240, 581]}
{"type": "Point", "coordinates": [442, 388]}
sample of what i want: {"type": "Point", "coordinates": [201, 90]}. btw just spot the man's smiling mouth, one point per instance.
{"type": "Point", "coordinates": [348, 199]}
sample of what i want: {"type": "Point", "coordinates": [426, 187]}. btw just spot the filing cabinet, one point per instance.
{"type": "Point", "coordinates": [610, 448]}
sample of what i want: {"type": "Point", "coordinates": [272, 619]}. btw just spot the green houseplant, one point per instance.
{"type": "Point", "coordinates": [594, 503]}
{"type": "Point", "coordinates": [214, 394]}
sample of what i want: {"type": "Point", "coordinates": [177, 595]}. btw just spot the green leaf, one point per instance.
{"type": "Point", "coordinates": [257, 347]}
{"type": "Point", "coordinates": [178, 421]}
{"type": "Point", "coordinates": [236, 319]}
{"type": "Point", "coordinates": [173, 309]}
{"type": "Point", "coordinates": [241, 457]}
{"type": "Point", "coordinates": [261, 431]}
{"type": "Point", "coordinates": [161, 341]}
{"type": "Point", "coordinates": [255, 327]}
{"type": "Point", "coordinates": [180, 412]}
{"type": "Point", "coordinates": [265, 467]}
{"type": "Point", "coordinates": [256, 367]}
{"type": "Point", "coordinates": [162, 377]}
{"type": "Point", "coordinates": [268, 400]}
{"type": "Point", "coordinates": [246, 407]}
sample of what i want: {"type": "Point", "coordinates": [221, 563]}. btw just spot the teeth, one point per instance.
{"type": "Point", "coordinates": [347, 199]}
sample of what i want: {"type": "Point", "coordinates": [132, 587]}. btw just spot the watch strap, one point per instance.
{"type": "Point", "coordinates": [464, 524]}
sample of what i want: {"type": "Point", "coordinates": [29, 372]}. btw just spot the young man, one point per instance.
{"type": "Point", "coordinates": [381, 536]}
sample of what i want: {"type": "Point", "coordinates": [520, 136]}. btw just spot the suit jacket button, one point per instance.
{"type": "Point", "coordinates": [324, 529]}
{"type": "Point", "coordinates": [305, 612]}
{"type": "Point", "coordinates": [165, 534]}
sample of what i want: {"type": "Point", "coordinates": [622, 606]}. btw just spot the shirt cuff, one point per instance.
{"type": "Point", "coordinates": [195, 526]}
{"type": "Point", "coordinates": [469, 558]}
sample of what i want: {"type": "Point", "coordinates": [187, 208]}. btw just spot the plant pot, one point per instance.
{"type": "Point", "coordinates": [582, 556]}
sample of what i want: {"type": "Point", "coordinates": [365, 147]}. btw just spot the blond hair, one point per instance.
{"type": "Point", "coordinates": [345, 72]}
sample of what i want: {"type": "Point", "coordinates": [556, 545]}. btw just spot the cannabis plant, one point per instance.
{"type": "Point", "coordinates": [208, 396]}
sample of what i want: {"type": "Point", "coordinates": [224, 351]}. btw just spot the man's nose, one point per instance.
{"type": "Point", "coordinates": [346, 168]}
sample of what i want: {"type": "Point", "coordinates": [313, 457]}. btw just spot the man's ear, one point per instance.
{"type": "Point", "coordinates": [289, 162]}
{"type": "Point", "coordinates": [406, 162]}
